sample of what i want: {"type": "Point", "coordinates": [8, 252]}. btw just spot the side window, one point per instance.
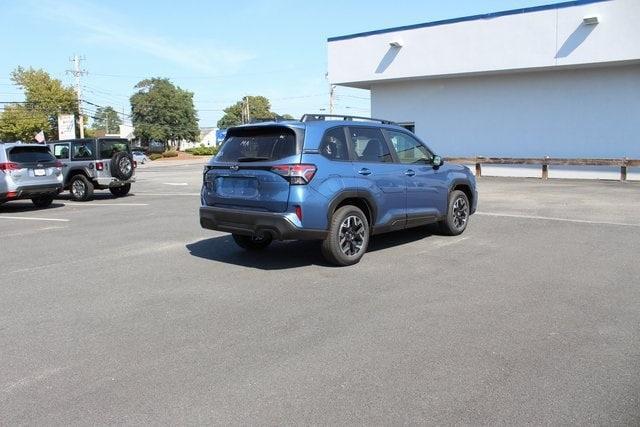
{"type": "Point", "coordinates": [82, 150]}
{"type": "Point", "coordinates": [409, 149]}
{"type": "Point", "coordinates": [334, 146]}
{"type": "Point", "coordinates": [368, 145]}
{"type": "Point", "coordinates": [61, 151]}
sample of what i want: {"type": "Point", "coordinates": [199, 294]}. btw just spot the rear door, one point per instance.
{"type": "Point", "coordinates": [35, 165]}
{"type": "Point", "coordinates": [242, 175]}
{"type": "Point", "coordinates": [378, 175]}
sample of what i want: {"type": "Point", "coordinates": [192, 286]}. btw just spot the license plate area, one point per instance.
{"type": "Point", "coordinates": [232, 186]}
{"type": "Point", "coordinates": [39, 172]}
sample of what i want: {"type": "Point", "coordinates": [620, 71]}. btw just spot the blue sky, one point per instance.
{"type": "Point", "coordinates": [218, 50]}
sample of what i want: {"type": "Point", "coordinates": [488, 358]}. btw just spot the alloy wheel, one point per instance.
{"type": "Point", "coordinates": [460, 213]}
{"type": "Point", "coordinates": [352, 235]}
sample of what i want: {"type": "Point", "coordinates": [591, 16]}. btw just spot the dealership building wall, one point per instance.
{"type": "Point", "coordinates": [532, 82]}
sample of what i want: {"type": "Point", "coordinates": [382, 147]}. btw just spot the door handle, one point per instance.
{"type": "Point", "coordinates": [410, 173]}
{"type": "Point", "coordinates": [364, 171]}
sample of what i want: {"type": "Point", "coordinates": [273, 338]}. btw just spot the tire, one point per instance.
{"type": "Point", "coordinates": [81, 188]}
{"type": "Point", "coordinates": [42, 201]}
{"type": "Point", "coordinates": [122, 166]}
{"type": "Point", "coordinates": [252, 243]}
{"type": "Point", "coordinates": [349, 226]}
{"type": "Point", "coordinates": [121, 191]}
{"type": "Point", "coordinates": [457, 214]}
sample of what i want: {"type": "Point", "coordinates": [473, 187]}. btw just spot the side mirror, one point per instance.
{"type": "Point", "coordinates": [437, 161]}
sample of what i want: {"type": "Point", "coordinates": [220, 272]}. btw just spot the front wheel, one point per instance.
{"type": "Point", "coordinates": [252, 243]}
{"type": "Point", "coordinates": [121, 191]}
{"type": "Point", "coordinates": [457, 214]}
{"type": "Point", "coordinates": [348, 237]}
{"type": "Point", "coordinates": [42, 201]}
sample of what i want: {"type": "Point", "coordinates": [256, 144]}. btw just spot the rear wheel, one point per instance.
{"type": "Point", "coordinates": [457, 214]}
{"type": "Point", "coordinates": [42, 201]}
{"type": "Point", "coordinates": [81, 188]}
{"type": "Point", "coordinates": [348, 237]}
{"type": "Point", "coordinates": [121, 191]}
{"type": "Point", "coordinates": [252, 243]}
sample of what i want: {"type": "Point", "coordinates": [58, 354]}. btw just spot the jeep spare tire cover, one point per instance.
{"type": "Point", "coordinates": [122, 166]}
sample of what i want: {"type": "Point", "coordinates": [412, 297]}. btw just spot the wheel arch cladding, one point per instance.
{"type": "Point", "coordinates": [360, 200]}
{"type": "Point", "coordinates": [465, 188]}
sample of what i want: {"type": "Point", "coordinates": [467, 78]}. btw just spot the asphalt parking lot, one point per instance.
{"type": "Point", "coordinates": [125, 311]}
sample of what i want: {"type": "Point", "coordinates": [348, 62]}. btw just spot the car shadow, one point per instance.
{"type": "Point", "coordinates": [20, 206]}
{"type": "Point", "coordinates": [96, 196]}
{"type": "Point", "coordinates": [291, 254]}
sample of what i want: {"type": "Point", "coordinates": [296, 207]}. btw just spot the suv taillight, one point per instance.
{"type": "Point", "coordinates": [99, 166]}
{"type": "Point", "coordinates": [296, 174]}
{"type": "Point", "coordinates": [9, 166]}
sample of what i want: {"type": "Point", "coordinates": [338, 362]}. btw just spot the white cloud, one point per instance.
{"type": "Point", "coordinates": [100, 25]}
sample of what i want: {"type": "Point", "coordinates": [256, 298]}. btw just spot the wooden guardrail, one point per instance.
{"type": "Point", "coordinates": [545, 162]}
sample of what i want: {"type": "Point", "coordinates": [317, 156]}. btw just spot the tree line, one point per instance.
{"type": "Point", "coordinates": [160, 110]}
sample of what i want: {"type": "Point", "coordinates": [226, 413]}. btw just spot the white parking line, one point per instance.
{"type": "Point", "coordinates": [105, 204]}
{"type": "Point", "coordinates": [550, 218]}
{"type": "Point", "coordinates": [167, 194]}
{"type": "Point", "coordinates": [33, 218]}
{"type": "Point", "coordinates": [175, 183]}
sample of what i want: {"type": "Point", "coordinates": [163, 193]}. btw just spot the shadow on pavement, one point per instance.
{"type": "Point", "coordinates": [291, 254]}
{"type": "Point", "coordinates": [25, 206]}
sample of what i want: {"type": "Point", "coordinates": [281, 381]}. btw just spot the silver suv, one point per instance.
{"type": "Point", "coordinates": [96, 163]}
{"type": "Point", "coordinates": [29, 171]}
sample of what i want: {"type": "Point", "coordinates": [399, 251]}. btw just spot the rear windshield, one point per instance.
{"type": "Point", "coordinates": [258, 144]}
{"type": "Point", "coordinates": [30, 154]}
{"type": "Point", "coordinates": [109, 147]}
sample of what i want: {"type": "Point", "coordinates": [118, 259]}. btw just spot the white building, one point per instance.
{"type": "Point", "coordinates": [561, 80]}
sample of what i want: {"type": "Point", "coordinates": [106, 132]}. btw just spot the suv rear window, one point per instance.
{"type": "Point", "coordinates": [108, 147]}
{"type": "Point", "coordinates": [30, 154]}
{"type": "Point", "coordinates": [258, 144]}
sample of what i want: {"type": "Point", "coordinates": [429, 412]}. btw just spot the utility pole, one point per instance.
{"type": "Point", "coordinates": [77, 73]}
{"type": "Point", "coordinates": [332, 95]}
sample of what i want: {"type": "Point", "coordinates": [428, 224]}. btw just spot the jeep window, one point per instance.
{"type": "Point", "coordinates": [61, 151]}
{"type": "Point", "coordinates": [258, 144]}
{"type": "Point", "coordinates": [109, 147]}
{"type": "Point", "coordinates": [368, 145]}
{"type": "Point", "coordinates": [334, 146]}
{"type": "Point", "coordinates": [409, 149]}
{"type": "Point", "coordinates": [30, 154]}
{"type": "Point", "coordinates": [82, 150]}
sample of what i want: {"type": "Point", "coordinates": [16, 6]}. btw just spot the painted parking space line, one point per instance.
{"type": "Point", "coordinates": [33, 218]}
{"type": "Point", "coordinates": [104, 204]}
{"type": "Point", "coordinates": [177, 184]}
{"type": "Point", "coordinates": [166, 194]}
{"type": "Point", "coordinates": [550, 218]}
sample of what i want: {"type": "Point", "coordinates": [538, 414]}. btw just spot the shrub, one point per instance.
{"type": "Point", "coordinates": [203, 151]}
{"type": "Point", "coordinates": [155, 156]}
{"type": "Point", "coordinates": [170, 154]}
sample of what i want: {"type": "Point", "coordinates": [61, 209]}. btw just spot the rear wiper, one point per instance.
{"type": "Point", "coordinates": [252, 159]}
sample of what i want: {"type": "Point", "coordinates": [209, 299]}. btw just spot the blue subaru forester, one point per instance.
{"type": "Point", "coordinates": [331, 178]}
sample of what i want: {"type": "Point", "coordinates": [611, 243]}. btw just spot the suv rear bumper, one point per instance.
{"type": "Point", "coordinates": [251, 223]}
{"type": "Point", "coordinates": [30, 191]}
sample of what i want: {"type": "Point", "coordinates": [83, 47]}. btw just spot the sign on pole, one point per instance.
{"type": "Point", "coordinates": [66, 126]}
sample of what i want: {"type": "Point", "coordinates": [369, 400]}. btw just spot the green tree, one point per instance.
{"type": "Point", "coordinates": [45, 98]}
{"type": "Point", "coordinates": [106, 119]}
{"type": "Point", "coordinates": [17, 123]}
{"type": "Point", "coordinates": [259, 108]}
{"type": "Point", "coordinates": [163, 112]}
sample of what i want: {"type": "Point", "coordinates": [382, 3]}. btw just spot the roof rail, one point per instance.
{"type": "Point", "coordinates": [323, 117]}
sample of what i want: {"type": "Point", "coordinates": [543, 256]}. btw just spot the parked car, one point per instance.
{"type": "Point", "coordinates": [95, 163]}
{"type": "Point", "coordinates": [29, 171]}
{"type": "Point", "coordinates": [139, 156]}
{"type": "Point", "coordinates": [339, 181]}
